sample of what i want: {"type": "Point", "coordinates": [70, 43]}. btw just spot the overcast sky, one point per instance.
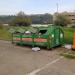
{"type": "Point", "coordinates": [8, 7]}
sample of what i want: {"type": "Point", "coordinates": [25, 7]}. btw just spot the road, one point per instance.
{"type": "Point", "coordinates": [16, 60]}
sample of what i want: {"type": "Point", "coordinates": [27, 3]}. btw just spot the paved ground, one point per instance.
{"type": "Point", "coordinates": [15, 60]}
{"type": "Point", "coordinates": [62, 67]}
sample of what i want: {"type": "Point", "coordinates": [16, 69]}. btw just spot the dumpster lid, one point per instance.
{"type": "Point", "coordinates": [11, 30]}
{"type": "Point", "coordinates": [14, 30]}
{"type": "Point", "coordinates": [32, 29]}
{"type": "Point", "coordinates": [20, 30]}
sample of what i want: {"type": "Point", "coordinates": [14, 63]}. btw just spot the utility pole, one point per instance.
{"type": "Point", "coordinates": [57, 7]}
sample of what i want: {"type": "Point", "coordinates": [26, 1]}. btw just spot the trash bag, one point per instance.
{"type": "Point", "coordinates": [68, 46]}
{"type": "Point", "coordinates": [35, 49]}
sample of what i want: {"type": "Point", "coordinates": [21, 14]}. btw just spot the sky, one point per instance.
{"type": "Point", "coordinates": [12, 7]}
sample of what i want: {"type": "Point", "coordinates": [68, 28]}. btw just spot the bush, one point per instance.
{"type": "Point", "coordinates": [1, 26]}
{"type": "Point", "coordinates": [61, 20]}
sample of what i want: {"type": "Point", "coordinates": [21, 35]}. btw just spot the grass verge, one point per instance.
{"type": "Point", "coordinates": [4, 34]}
{"type": "Point", "coordinates": [70, 55]}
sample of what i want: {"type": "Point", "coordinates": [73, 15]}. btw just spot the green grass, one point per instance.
{"type": "Point", "coordinates": [68, 35]}
{"type": "Point", "coordinates": [70, 55]}
{"type": "Point", "coordinates": [4, 34]}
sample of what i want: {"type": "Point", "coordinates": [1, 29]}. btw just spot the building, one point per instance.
{"type": "Point", "coordinates": [70, 15]}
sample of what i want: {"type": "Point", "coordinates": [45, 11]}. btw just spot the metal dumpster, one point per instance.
{"type": "Point", "coordinates": [49, 37]}
{"type": "Point", "coordinates": [17, 37]}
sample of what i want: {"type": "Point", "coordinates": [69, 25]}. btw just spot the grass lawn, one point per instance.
{"type": "Point", "coordinates": [4, 34]}
{"type": "Point", "coordinates": [68, 35]}
{"type": "Point", "coordinates": [70, 54]}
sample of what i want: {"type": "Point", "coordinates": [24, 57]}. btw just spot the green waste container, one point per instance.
{"type": "Point", "coordinates": [49, 37]}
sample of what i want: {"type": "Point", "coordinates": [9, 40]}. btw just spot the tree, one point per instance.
{"type": "Point", "coordinates": [21, 20]}
{"type": "Point", "coordinates": [61, 20]}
